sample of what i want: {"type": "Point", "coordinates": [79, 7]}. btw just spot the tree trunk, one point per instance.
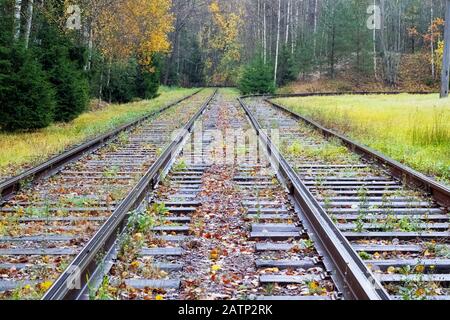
{"type": "Point", "coordinates": [265, 33]}
{"type": "Point", "coordinates": [433, 64]}
{"type": "Point", "coordinates": [90, 48]}
{"type": "Point", "coordinates": [17, 18]}
{"type": "Point", "coordinates": [278, 42]}
{"type": "Point", "coordinates": [294, 36]}
{"type": "Point", "coordinates": [29, 22]}
{"type": "Point", "coordinates": [315, 28]}
{"type": "Point", "coordinates": [446, 58]}
{"type": "Point", "coordinates": [108, 80]}
{"type": "Point", "coordinates": [332, 53]}
{"type": "Point", "coordinates": [375, 67]}
{"type": "Point", "coordinates": [288, 20]}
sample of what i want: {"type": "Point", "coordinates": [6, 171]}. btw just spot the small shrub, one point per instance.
{"type": "Point", "coordinates": [257, 78]}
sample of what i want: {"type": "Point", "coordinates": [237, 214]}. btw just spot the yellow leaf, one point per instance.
{"type": "Point", "coordinates": [391, 270]}
{"type": "Point", "coordinates": [138, 236]}
{"type": "Point", "coordinates": [159, 297]}
{"type": "Point", "coordinates": [215, 268]}
{"type": "Point", "coordinates": [44, 286]}
{"type": "Point", "coordinates": [313, 285]}
{"type": "Point", "coordinates": [420, 269]}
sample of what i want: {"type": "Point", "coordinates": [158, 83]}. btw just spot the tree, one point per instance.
{"type": "Point", "coordinates": [445, 75]}
{"type": "Point", "coordinates": [278, 42]}
{"type": "Point", "coordinates": [27, 99]}
{"type": "Point", "coordinates": [65, 72]}
{"type": "Point", "coordinates": [194, 66]}
{"type": "Point", "coordinates": [122, 87]}
{"type": "Point", "coordinates": [147, 80]}
{"type": "Point", "coordinates": [257, 78]}
{"type": "Point", "coordinates": [224, 52]}
{"type": "Point", "coordinates": [287, 70]}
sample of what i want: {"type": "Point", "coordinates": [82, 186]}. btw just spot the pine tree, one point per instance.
{"type": "Point", "coordinates": [122, 84]}
{"type": "Point", "coordinates": [148, 79]}
{"type": "Point", "coordinates": [257, 78]}
{"type": "Point", "coordinates": [26, 97]}
{"type": "Point", "coordinates": [286, 68]}
{"type": "Point", "coordinates": [63, 62]}
{"type": "Point", "coordinates": [195, 67]}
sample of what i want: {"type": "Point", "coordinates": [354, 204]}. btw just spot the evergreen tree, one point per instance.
{"type": "Point", "coordinates": [122, 83]}
{"type": "Point", "coordinates": [257, 78]}
{"type": "Point", "coordinates": [148, 79]}
{"type": "Point", "coordinates": [26, 98]}
{"type": "Point", "coordinates": [194, 68]}
{"type": "Point", "coordinates": [64, 62]}
{"type": "Point", "coordinates": [286, 68]}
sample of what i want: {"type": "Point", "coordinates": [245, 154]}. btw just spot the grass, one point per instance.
{"type": "Point", "coordinates": [22, 150]}
{"type": "Point", "coordinates": [412, 129]}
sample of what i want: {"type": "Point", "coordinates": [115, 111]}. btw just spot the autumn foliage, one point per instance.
{"type": "Point", "coordinates": [135, 28]}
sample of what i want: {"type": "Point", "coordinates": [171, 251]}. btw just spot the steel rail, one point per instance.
{"type": "Point", "coordinates": [331, 93]}
{"type": "Point", "coordinates": [405, 174]}
{"type": "Point", "coordinates": [48, 168]}
{"type": "Point", "coordinates": [71, 283]}
{"type": "Point", "coordinates": [357, 280]}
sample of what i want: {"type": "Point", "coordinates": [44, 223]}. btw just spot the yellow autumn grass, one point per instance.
{"type": "Point", "coordinates": [19, 150]}
{"type": "Point", "coordinates": [413, 129]}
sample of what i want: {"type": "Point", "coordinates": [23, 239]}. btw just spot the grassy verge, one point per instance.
{"type": "Point", "coordinates": [412, 129]}
{"type": "Point", "coordinates": [22, 150]}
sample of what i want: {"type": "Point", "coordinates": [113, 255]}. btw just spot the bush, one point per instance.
{"type": "Point", "coordinates": [257, 78]}
{"type": "Point", "coordinates": [130, 80]}
{"type": "Point", "coordinates": [26, 97]}
{"type": "Point", "coordinates": [122, 84]}
{"type": "Point", "coordinates": [147, 83]}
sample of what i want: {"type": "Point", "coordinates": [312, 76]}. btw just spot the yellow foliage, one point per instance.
{"type": "Point", "coordinates": [439, 53]}
{"type": "Point", "coordinates": [224, 43]}
{"type": "Point", "coordinates": [135, 27]}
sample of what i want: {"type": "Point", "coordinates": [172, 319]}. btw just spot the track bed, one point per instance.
{"type": "Point", "coordinates": [47, 223]}
{"type": "Point", "coordinates": [401, 232]}
{"type": "Point", "coordinates": [219, 226]}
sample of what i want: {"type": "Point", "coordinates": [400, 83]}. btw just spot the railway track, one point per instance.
{"type": "Point", "coordinates": [223, 210]}
{"type": "Point", "coordinates": [222, 225]}
{"type": "Point", "coordinates": [46, 222]}
{"type": "Point", "coordinates": [396, 219]}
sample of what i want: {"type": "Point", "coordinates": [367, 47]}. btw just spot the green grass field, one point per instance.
{"type": "Point", "coordinates": [412, 129]}
{"type": "Point", "coordinates": [21, 150]}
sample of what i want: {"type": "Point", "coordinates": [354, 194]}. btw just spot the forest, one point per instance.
{"type": "Point", "coordinates": [225, 150]}
{"type": "Point", "coordinates": [62, 59]}
{"type": "Point", "coordinates": [57, 57]}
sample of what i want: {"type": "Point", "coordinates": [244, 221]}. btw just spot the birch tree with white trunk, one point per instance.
{"type": "Point", "coordinates": [277, 50]}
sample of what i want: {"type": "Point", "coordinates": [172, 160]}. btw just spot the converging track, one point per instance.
{"type": "Point", "coordinates": [219, 226]}
{"type": "Point", "coordinates": [396, 219]}
{"type": "Point", "coordinates": [216, 197]}
{"type": "Point", "coordinates": [46, 224]}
